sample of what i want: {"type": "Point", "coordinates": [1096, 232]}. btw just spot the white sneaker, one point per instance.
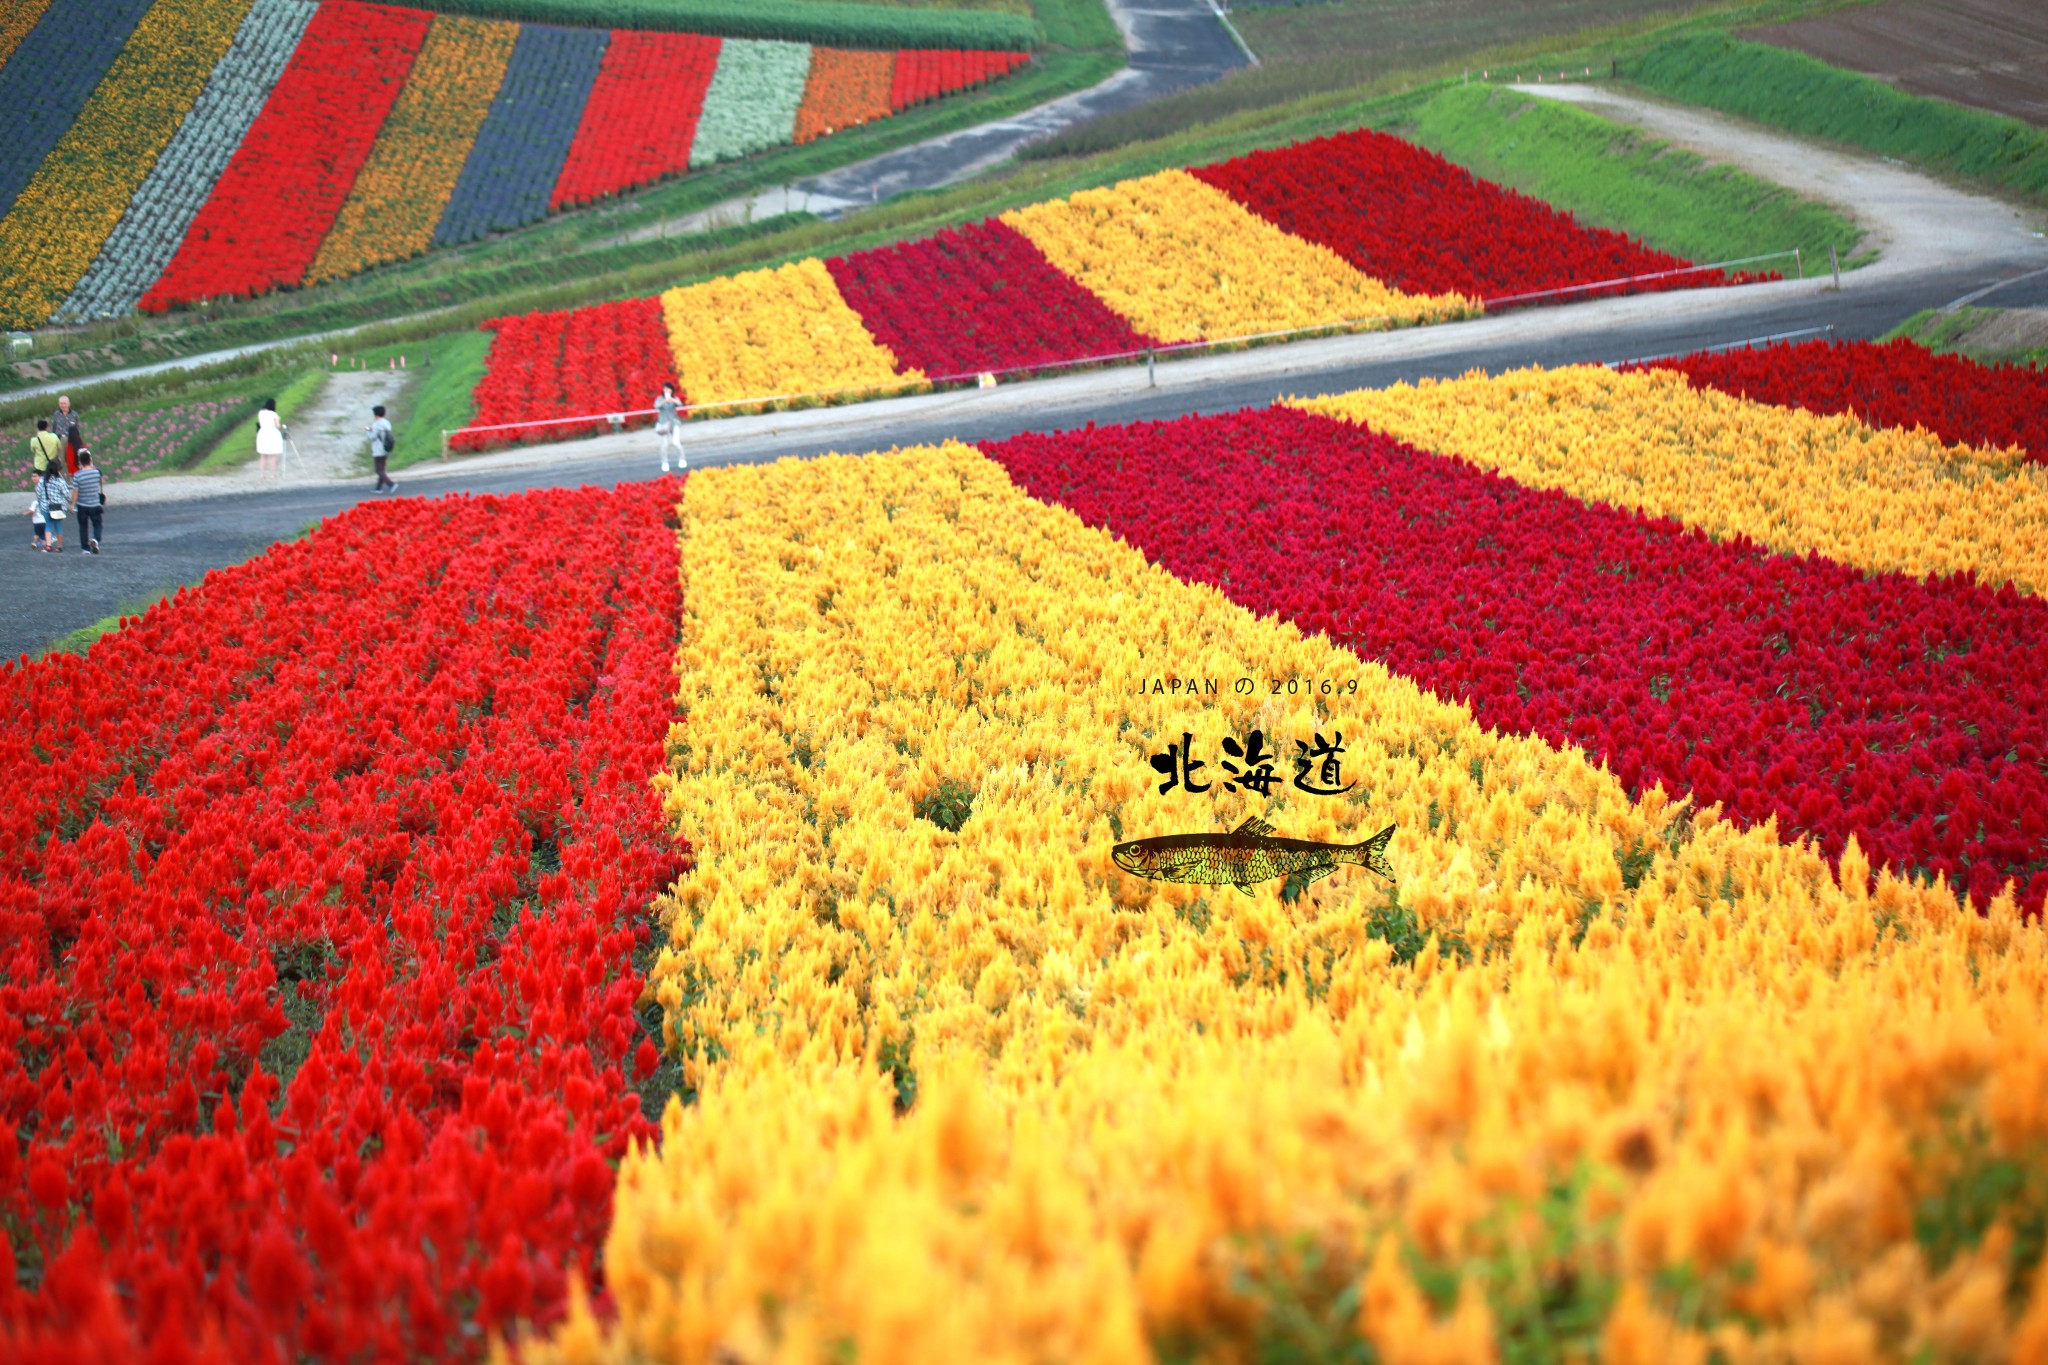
{"type": "Point", "coordinates": [664, 466]}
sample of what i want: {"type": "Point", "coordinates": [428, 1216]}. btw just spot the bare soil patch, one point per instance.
{"type": "Point", "coordinates": [1990, 54]}
{"type": "Point", "coordinates": [2007, 332]}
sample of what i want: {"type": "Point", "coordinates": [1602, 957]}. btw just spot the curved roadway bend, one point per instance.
{"type": "Point", "coordinates": [1945, 246]}
{"type": "Point", "coordinates": [1172, 44]}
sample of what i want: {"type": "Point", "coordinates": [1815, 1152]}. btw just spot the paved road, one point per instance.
{"type": "Point", "coordinates": [1942, 247]}
{"type": "Point", "coordinates": [152, 546]}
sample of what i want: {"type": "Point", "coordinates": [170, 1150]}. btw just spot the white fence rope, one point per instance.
{"type": "Point", "coordinates": [931, 383]}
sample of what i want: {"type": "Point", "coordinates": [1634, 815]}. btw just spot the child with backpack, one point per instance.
{"type": "Point", "coordinates": [382, 443]}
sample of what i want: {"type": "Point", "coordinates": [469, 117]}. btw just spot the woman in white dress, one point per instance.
{"type": "Point", "coordinates": [269, 439]}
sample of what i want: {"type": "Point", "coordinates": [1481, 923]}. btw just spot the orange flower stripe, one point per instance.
{"type": "Point", "coordinates": [845, 89]}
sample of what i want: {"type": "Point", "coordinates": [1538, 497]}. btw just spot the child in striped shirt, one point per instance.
{"type": "Point", "coordinates": [91, 499]}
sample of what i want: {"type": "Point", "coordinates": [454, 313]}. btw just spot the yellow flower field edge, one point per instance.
{"type": "Point", "coordinates": [780, 330]}
{"type": "Point", "coordinates": [68, 210]}
{"type": "Point", "coordinates": [1878, 498]}
{"type": "Point", "coordinates": [15, 22]}
{"type": "Point", "coordinates": [1180, 260]}
{"type": "Point", "coordinates": [1597, 1078]}
{"type": "Point", "coordinates": [398, 196]}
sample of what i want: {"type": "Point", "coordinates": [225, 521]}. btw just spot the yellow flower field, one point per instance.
{"type": "Point", "coordinates": [1598, 1077]}
{"type": "Point", "coordinates": [398, 196]}
{"type": "Point", "coordinates": [1181, 260]}
{"type": "Point", "coordinates": [16, 21]}
{"type": "Point", "coordinates": [1877, 498]}
{"type": "Point", "coordinates": [774, 331]}
{"type": "Point", "coordinates": [65, 214]}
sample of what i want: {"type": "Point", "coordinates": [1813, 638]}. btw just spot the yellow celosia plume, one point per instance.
{"type": "Point", "coordinates": [1182, 260]}
{"type": "Point", "coordinates": [1658, 1085]}
{"type": "Point", "coordinates": [1878, 498]}
{"type": "Point", "coordinates": [775, 331]}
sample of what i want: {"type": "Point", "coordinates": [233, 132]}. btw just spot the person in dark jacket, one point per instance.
{"type": "Point", "coordinates": [65, 425]}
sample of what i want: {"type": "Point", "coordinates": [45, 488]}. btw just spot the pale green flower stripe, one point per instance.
{"type": "Point", "coordinates": [752, 103]}
{"type": "Point", "coordinates": [149, 233]}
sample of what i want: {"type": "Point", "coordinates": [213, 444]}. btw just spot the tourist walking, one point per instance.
{"type": "Point", "coordinates": [54, 496]}
{"type": "Point", "coordinates": [38, 528]}
{"type": "Point", "coordinates": [65, 425]}
{"type": "Point", "coordinates": [382, 442]}
{"type": "Point", "coordinates": [668, 425]}
{"type": "Point", "coordinates": [88, 500]}
{"type": "Point", "coordinates": [44, 447]}
{"type": "Point", "coordinates": [269, 439]}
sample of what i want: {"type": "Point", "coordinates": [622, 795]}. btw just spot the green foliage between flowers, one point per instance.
{"type": "Point", "coordinates": [830, 22]}
{"type": "Point", "coordinates": [1614, 177]}
{"type": "Point", "coordinates": [1793, 91]}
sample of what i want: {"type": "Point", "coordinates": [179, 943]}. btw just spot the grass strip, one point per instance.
{"type": "Point", "coordinates": [1791, 90]}
{"type": "Point", "coordinates": [81, 641]}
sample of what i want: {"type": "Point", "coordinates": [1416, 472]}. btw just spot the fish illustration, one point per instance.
{"type": "Point", "coordinates": [1246, 856]}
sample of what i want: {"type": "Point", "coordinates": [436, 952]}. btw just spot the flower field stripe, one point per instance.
{"type": "Point", "coordinates": [51, 76]}
{"type": "Point", "coordinates": [1181, 261]}
{"type": "Point", "coordinates": [752, 100]}
{"type": "Point", "coordinates": [641, 118]}
{"type": "Point", "coordinates": [524, 142]}
{"type": "Point", "coordinates": [923, 74]}
{"type": "Point", "coordinates": [382, 805]}
{"type": "Point", "coordinates": [16, 23]}
{"type": "Point", "coordinates": [775, 331]}
{"type": "Point", "coordinates": [400, 193]}
{"type": "Point", "coordinates": [264, 222]}
{"type": "Point", "coordinates": [1878, 499]}
{"type": "Point", "coordinates": [975, 298]}
{"type": "Point", "coordinates": [523, 372]}
{"type": "Point", "coordinates": [965, 1091]}
{"type": "Point", "coordinates": [178, 184]}
{"type": "Point", "coordinates": [844, 90]}
{"type": "Point", "coordinates": [1402, 214]}
{"type": "Point", "coordinates": [1911, 715]}
{"type": "Point", "coordinates": [66, 213]}
{"type": "Point", "coordinates": [1888, 384]}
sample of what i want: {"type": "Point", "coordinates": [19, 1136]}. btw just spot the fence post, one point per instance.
{"type": "Point", "coordinates": [1151, 377]}
{"type": "Point", "coordinates": [444, 443]}
{"type": "Point", "coordinates": [1835, 264]}
{"type": "Point", "coordinates": [1799, 261]}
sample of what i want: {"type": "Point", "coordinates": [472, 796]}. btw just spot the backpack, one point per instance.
{"type": "Point", "coordinates": [389, 440]}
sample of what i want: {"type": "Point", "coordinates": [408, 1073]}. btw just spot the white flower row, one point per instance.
{"type": "Point", "coordinates": [146, 239]}
{"type": "Point", "coordinates": [752, 101]}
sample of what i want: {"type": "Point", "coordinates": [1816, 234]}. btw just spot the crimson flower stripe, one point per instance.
{"type": "Point", "coordinates": [642, 114]}
{"type": "Point", "coordinates": [323, 978]}
{"type": "Point", "coordinates": [1887, 384]}
{"type": "Point", "coordinates": [1402, 214]}
{"type": "Point", "coordinates": [606, 358]}
{"type": "Point", "coordinates": [923, 74]}
{"type": "Point", "coordinates": [265, 220]}
{"type": "Point", "coordinates": [974, 298]}
{"type": "Point", "coordinates": [1912, 715]}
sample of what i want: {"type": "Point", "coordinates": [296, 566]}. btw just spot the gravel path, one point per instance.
{"type": "Point", "coordinates": [1917, 223]}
